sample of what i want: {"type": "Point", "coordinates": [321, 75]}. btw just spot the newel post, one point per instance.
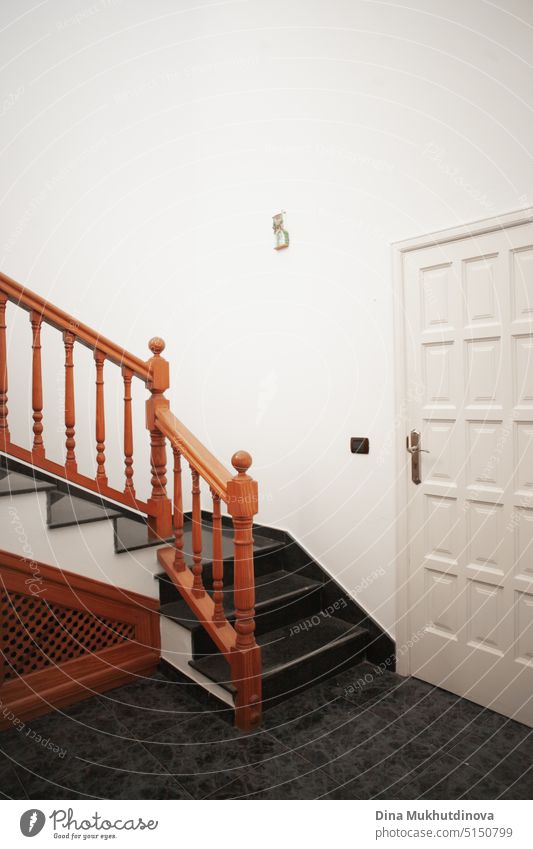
{"type": "Point", "coordinates": [246, 656]}
{"type": "Point", "coordinates": [4, 429]}
{"type": "Point", "coordinates": [159, 505]}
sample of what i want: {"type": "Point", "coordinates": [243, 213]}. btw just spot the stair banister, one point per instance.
{"type": "Point", "coordinates": [4, 426]}
{"type": "Point", "coordinates": [61, 320]}
{"type": "Point", "coordinates": [242, 505]}
{"type": "Point", "coordinates": [160, 508]}
{"type": "Point", "coordinates": [75, 332]}
{"type": "Point", "coordinates": [238, 492]}
{"type": "Point", "coordinates": [209, 467]}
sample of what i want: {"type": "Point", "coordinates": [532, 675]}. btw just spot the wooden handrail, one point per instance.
{"type": "Point", "coordinates": [237, 642]}
{"type": "Point", "coordinates": [105, 351]}
{"type": "Point", "coordinates": [61, 320]}
{"type": "Point", "coordinates": [164, 517]}
{"type": "Point", "coordinates": [239, 492]}
{"type": "Point", "coordinates": [206, 464]}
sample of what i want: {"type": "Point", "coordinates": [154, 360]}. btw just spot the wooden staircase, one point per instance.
{"type": "Point", "coordinates": [261, 629]}
{"type": "Point", "coordinates": [302, 638]}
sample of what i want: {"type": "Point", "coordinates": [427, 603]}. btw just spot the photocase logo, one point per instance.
{"type": "Point", "coordinates": [32, 822]}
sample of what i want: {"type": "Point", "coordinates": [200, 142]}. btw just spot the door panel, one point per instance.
{"type": "Point", "coordinates": [469, 355]}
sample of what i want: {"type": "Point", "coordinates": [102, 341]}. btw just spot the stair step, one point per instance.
{"type": "Point", "coordinates": [14, 483]}
{"type": "Point", "coordinates": [296, 656]}
{"type": "Point", "coordinates": [273, 590]}
{"type": "Point", "coordinates": [301, 642]}
{"type": "Point", "coordinates": [131, 534]}
{"type": "Point", "coordinates": [64, 510]}
{"type": "Point", "coordinates": [180, 612]}
{"type": "Point", "coordinates": [19, 478]}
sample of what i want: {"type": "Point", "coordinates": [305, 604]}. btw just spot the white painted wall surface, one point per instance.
{"type": "Point", "coordinates": [84, 549]}
{"type": "Point", "coordinates": [144, 148]}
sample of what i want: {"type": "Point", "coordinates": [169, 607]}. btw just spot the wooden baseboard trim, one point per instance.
{"type": "Point", "coordinates": [65, 685]}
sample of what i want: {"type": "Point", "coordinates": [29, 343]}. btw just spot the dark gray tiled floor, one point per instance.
{"type": "Point", "coordinates": [363, 734]}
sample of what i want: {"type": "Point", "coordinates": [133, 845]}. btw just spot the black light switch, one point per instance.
{"type": "Point", "coordinates": [359, 445]}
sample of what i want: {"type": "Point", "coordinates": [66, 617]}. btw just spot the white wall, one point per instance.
{"type": "Point", "coordinates": [83, 549]}
{"type": "Point", "coordinates": [145, 147]}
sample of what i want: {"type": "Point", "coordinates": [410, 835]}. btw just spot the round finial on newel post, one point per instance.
{"type": "Point", "coordinates": [158, 368]}
{"type": "Point", "coordinates": [241, 461]}
{"type": "Point", "coordinates": [156, 345]}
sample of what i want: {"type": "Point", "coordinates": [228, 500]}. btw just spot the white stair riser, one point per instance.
{"type": "Point", "coordinates": [85, 549]}
{"type": "Point", "coordinates": [176, 649]}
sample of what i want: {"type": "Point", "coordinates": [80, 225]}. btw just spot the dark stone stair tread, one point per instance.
{"type": "Point", "coordinates": [281, 649]}
{"type": "Point", "coordinates": [65, 510]}
{"type": "Point", "coordinates": [131, 534]}
{"type": "Point", "coordinates": [15, 483]}
{"type": "Point", "coordinates": [274, 586]}
{"type": "Point", "coordinates": [180, 612]}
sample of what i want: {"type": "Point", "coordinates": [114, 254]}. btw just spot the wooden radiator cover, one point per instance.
{"type": "Point", "coordinates": [64, 636]}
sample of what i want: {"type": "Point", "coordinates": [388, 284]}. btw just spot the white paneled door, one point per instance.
{"type": "Point", "coordinates": [468, 340]}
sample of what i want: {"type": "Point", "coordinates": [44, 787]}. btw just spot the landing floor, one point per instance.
{"type": "Point", "coordinates": [364, 734]}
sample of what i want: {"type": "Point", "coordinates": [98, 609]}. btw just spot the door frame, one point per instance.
{"type": "Point", "coordinates": [401, 409]}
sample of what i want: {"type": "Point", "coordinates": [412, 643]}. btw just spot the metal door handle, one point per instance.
{"type": "Point", "coordinates": [415, 449]}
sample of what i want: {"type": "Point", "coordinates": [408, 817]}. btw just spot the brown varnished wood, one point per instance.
{"type": "Point", "coordinates": [237, 644]}
{"type": "Point", "coordinates": [238, 492]}
{"type": "Point", "coordinates": [55, 580]}
{"type": "Point", "coordinates": [4, 429]}
{"type": "Point", "coordinates": [129, 487]}
{"type": "Point", "coordinates": [246, 659]}
{"type": "Point", "coordinates": [201, 605]}
{"type": "Point", "coordinates": [101, 477]}
{"type": "Point", "coordinates": [246, 677]}
{"type": "Point", "coordinates": [37, 386]}
{"type": "Point", "coordinates": [198, 586]}
{"type": "Point", "coordinates": [84, 481]}
{"type": "Point", "coordinates": [63, 683]}
{"type": "Point", "coordinates": [218, 563]}
{"type": "Point", "coordinates": [213, 472]}
{"type": "Point", "coordinates": [244, 582]}
{"type": "Point", "coordinates": [160, 516]}
{"type": "Point", "coordinates": [160, 506]}
{"type": "Point", "coordinates": [70, 413]}
{"type": "Point", "coordinates": [179, 560]}
{"type": "Point", "coordinates": [28, 300]}
{"type": "Point", "coordinates": [73, 331]}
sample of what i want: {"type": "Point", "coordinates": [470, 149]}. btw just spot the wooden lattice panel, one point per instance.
{"type": "Point", "coordinates": [37, 634]}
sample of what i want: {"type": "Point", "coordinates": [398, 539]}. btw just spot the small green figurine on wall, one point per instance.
{"type": "Point", "coordinates": [281, 234]}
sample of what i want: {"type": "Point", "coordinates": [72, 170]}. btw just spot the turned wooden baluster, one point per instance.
{"type": "Point", "coordinates": [70, 416]}
{"type": "Point", "coordinates": [246, 658]}
{"type": "Point", "coordinates": [218, 566]}
{"type": "Point", "coordinates": [179, 560]}
{"type": "Point", "coordinates": [101, 477]}
{"type": "Point", "coordinates": [36, 320]}
{"type": "Point", "coordinates": [129, 488]}
{"type": "Point", "coordinates": [159, 505]}
{"type": "Point", "coordinates": [197, 584]}
{"type": "Point", "coordinates": [4, 429]}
